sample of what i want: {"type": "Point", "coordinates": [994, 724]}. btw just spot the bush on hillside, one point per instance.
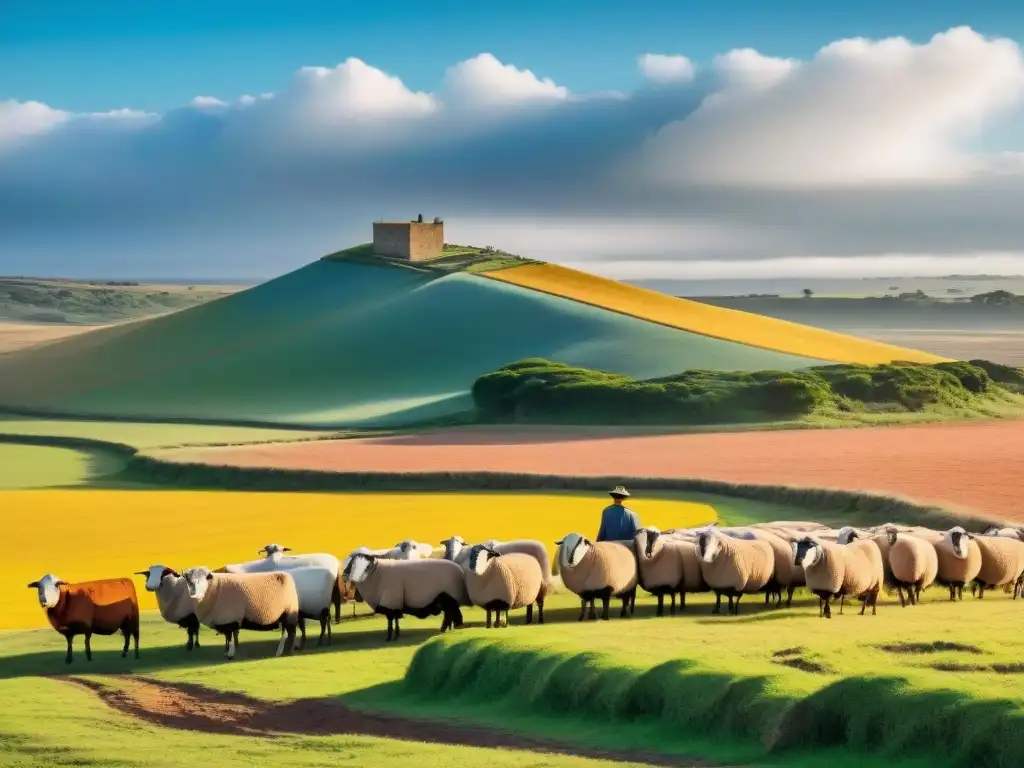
{"type": "Point", "coordinates": [537, 390]}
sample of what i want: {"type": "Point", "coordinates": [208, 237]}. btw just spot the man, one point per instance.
{"type": "Point", "coordinates": [618, 523]}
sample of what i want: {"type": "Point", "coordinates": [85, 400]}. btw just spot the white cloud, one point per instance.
{"type": "Point", "coordinates": [25, 118]}
{"type": "Point", "coordinates": [484, 81]}
{"type": "Point", "coordinates": [662, 68]}
{"type": "Point", "coordinates": [859, 113]}
{"type": "Point", "coordinates": [869, 148]}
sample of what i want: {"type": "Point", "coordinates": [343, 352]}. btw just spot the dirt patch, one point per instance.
{"type": "Point", "coordinates": [936, 647]}
{"type": "Point", "coordinates": [960, 465]}
{"type": "Point", "coordinates": [788, 652]}
{"type": "Point", "coordinates": [804, 665]}
{"type": "Point", "coordinates": [192, 707]}
{"type": "Point", "coordinates": [1002, 669]}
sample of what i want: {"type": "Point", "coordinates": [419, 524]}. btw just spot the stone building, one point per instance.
{"type": "Point", "coordinates": [409, 240]}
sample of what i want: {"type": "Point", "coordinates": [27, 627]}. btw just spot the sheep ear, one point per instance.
{"type": "Point", "coordinates": [142, 573]}
{"type": "Point", "coordinates": [34, 585]}
{"type": "Point", "coordinates": [209, 577]}
{"type": "Point", "coordinates": [286, 549]}
{"type": "Point", "coordinates": [170, 572]}
{"type": "Point", "coordinates": [559, 542]}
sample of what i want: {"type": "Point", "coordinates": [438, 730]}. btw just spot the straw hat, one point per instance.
{"type": "Point", "coordinates": [619, 491]}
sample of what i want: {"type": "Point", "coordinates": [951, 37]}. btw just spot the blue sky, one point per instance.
{"type": "Point", "coordinates": [92, 55]}
{"type": "Point", "coordinates": [779, 147]}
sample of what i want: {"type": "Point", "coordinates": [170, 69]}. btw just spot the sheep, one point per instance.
{"type": "Point", "coordinates": [408, 549]}
{"type": "Point", "coordinates": [173, 600]}
{"type": "Point", "coordinates": [1002, 564]}
{"type": "Point", "coordinates": [604, 569]}
{"type": "Point", "coordinates": [734, 566]}
{"type": "Point", "coordinates": [228, 602]}
{"type": "Point", "coordinates": [786, 575]}
{"type": "Point", "coordinates": [456, 549]}
{"type": "Point", "coordinates": [848, 533]}
{"type": "Point", "coordinates": [316, 587]}
{"type": "Point", "coordinates": [804, 526]}
{"type": "Point", "coordinates": [914, 564]}
{"type": "Point", "coordinates": [659, 565]}
{"type": "Point", "coordinates": [837, 570]}
{"type": "Point", "coordinates": [89, 608]}
{"type": "Point", "coordinates": [502, 582]}
{"type": "Point", "coordinates": [1013, 532]}
{"type": "Point", "coordinates": [275, 560]}
{"type": "Point", "coordinates": [959, 558]}
{"type": "Point", "coordinates": [421, 588]}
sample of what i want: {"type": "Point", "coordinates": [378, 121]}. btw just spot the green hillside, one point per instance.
{"type": "Point", "coordinates": [345, 342]}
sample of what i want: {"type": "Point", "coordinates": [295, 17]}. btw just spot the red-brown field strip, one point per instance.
{"type": "Point", "coordinates": [976, 466]}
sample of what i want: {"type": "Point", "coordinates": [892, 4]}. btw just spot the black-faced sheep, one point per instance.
{"type": "Point", "coordinates": [837, 570]}
{"type": "Point", "coordinates": [734, 566]}
{"type": "Point", "coordinates": [502, 582]}
{"type": "Point", "coordinates": [604, 570]}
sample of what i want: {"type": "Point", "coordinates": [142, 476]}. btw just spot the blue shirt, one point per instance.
{"type": "Point", "coordinates": [618, 523]}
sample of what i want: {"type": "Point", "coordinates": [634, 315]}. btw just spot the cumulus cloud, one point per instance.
{"type": "Point", "coordinates": [867, 149]}
{"type": "Point", "coordinates": [662, 68]}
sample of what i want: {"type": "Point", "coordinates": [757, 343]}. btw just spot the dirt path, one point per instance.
{"type": "Point", "coordinates": [191, 707]}
{"type": "Point", "coordinates": [976, 466]}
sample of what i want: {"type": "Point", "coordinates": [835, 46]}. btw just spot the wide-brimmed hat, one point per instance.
{"type": "Point", "coordinates": [619, 491]}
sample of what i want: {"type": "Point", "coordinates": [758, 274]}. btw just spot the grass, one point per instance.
{"type": "Point", "coordinates": [33, 466]}
{"type": "Point", "coordinates": [541, 391]}
{"type": "Point", "coordinates": [115, 533]}
{"type": "Point", "coordinates": [737, 690]}
{"type": "Point", "coordinates": [26, 299]}
{"type": "Point", "coordinates": [454, 258]}
{"type": "Point", "coordinates": [344, 344]}
{"type": "Point", "coordinates": [716, 322]}
{"type": "Point", "coordinates": [151, 435]}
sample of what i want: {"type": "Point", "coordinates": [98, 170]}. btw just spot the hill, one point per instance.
{"type": "Point", "coordinates": [353, 340]}
{"type": "Point", "coordinates": [80, 302]}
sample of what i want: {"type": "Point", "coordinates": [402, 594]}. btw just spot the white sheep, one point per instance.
{"type": "Point", "coordinates": [228, 602]}
{"type": "Point", "coordinates": [502, 582]}
{"type": "Point", "coordinates": [172, 598]}
{"type": "Point", "coordinates": [409, 549]}
{"type": "Point", "coordinates": [1012, 532]}
{"type": "Point", "coordinates": [605, 569]}
{"type": "Point", "coordinates": [275, 560]}
{"type": "Point", "coordinates": [734, 566]}
{"type": "Point", "coordinates": [316, 587]}
{"type": "Point", "coordinates": [837, 570]}
{"type": "Point", "coordinates": [420, 587]}
{"type": "Point", "coordinates": [914, 564]}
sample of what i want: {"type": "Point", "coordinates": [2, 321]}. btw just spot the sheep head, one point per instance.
{"type": "Point", "coordinates": [709, 545]}
{"type": "Point", "coordinates": [572, 549]}
{"type": "Point", "coordinates": [649, 537]}
{"type": "Point", "coordinates": [272, 549]}
{"type": "Point", "coordinates": [807, 552]}
{"type": "Point", "coordinates": [453, 546]}
{"type": "Point", "coordinates": [846, 534]}
{"type": "Point", "coordinates": [155, 576]}
{"type": "Point", "coordinates": [480, 556]}
{"type": "Point", "coordinates": [359, 567]}
{"type": "Point", "coordinates": [48, 589]}
{"type": "Point", "coordinates": [959, 541]}
{"type": "Point", "coordinates": [197, 581]}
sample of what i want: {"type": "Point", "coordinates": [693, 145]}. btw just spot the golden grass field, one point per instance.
{"type": "Point", "coordinates": [90, 534]}
{"type": "Point", "coordinates": [717, 322]}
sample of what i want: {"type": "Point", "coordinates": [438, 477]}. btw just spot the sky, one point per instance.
{"type": "Point", "coordinates": [643, 140]}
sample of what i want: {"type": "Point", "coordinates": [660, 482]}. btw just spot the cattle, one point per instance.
{"type": "Point", "coordinates": [101, 607]}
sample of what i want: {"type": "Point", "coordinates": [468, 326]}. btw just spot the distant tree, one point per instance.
{"type": "Point", "coordinates": [808, 293]}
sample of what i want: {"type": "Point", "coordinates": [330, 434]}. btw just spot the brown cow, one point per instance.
{"type": "Point", "coordinates": [90, 608]}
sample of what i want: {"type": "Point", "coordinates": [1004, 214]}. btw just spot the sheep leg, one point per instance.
{"type": "Point", "coordinates": [903, 601]}
{"type": "Point", "coordinates": [302, 629]}
{"type": "Point", "coordinates": [126, 632]}
{"type": "Point", "coordinates": [583, 608]}
{"type": "Point", "coordinates": [730, 603]}
{"type": "Point", "coordinates": [135, 635]}
{"type": "Point", "coordinates": [390, 627]}
{"type": "Point", "coordinates": [789, 596]}
{"type": "Point", "coordinates": [952, 593]}
{"type": "Point", "coordinates": [68, 656]}
{"type": "Point", "coordinates": [489, 618]}
{"type": "Point", "coordinates": [529, 614]}
{"type": "Point", "coordinates": [682, 601]}
{"type": "Point", "coordinates": [736, 608]}
{"type": "Point", "coordinates": [672, 609]}
{"type": "Point", "coordinates": [336, 602]}
{"type": "Point", "coordinates": [540, 610]}
{"type": "Point", "coordinates": [661, 604]}
{"type": "Point", "coordinates": [606, 600]}
{"type": "Point", "coordinates": [632, 601]}
{"type": "Point", "coordinates": [828, 606]}
{"type": "Point", "coordinates": [627, 602]}
{"type": "Point", "coordinates": [88, 646]}
{"type": "Point", "coordinates": [718, 603]}
{"type": "Point", "coordinates": [592, 613]}
{"type": "Point", "coordinates": [325, 614]}
{"type": "Point", "coordinates": [842, 602]}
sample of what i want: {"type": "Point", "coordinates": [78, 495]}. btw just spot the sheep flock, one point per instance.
{"type": "Point", "coordinates": [280, 591]}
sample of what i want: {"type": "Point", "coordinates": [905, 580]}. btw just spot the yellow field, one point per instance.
{"type": "Point", "coordinates": [716, 322]}
{"type": "Point", "coordinates": [88, 534]}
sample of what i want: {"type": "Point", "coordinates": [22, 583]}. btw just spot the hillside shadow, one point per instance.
{"type": "Point", "coordinates": [516, 434]}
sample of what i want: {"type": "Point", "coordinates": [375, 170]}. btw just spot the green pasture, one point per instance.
{"type": "Point", "coordinates": [345, 343]}
{"type": "Point", "coordinates": [31, 466]}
